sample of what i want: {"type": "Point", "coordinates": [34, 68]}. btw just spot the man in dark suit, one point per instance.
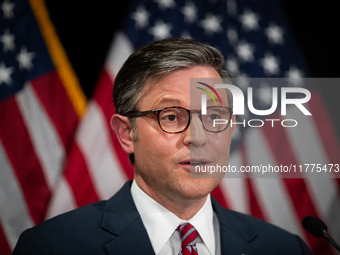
{"type": "Point", "coordinates": [165, 210]}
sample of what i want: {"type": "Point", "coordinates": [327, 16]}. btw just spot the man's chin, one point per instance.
{"type": "Point", "coordinates": [198, 188]}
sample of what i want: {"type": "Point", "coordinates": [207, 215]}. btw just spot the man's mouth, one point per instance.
{"type": "Point", "coordinates": [196, 162]}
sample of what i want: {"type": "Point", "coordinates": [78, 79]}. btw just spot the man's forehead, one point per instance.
{"type": "Point", "coordinates": [160, 97]}
{"type": "Point", "coordinates": [174, 89]}
{"type": "Point", "coordinates": [179, 99]}
{"type": "Point", "coordinates": [169, 101]}
{"type": "Point", "coordinates": [196, 90]}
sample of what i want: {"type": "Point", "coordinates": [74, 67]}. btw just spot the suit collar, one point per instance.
{"type": "Point", "coordinates": [235, 235]}
{"type": "Point", "coordinates": [122, 219]}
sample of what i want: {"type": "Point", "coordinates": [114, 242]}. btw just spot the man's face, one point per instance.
{"type": "Point", "coordinates": [162, 160]}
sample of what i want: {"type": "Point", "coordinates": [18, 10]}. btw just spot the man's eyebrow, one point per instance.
{"type": "Point", "coordinates": [210, 101]}
{"type": "Point", "coordinates": [168, 100]}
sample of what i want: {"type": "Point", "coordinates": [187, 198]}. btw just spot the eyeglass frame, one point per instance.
{"type": "Point", "coordinates": [135, 114]}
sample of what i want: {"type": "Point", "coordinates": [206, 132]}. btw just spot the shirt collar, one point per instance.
{"type": "Point", "coordinates": [154, 215]}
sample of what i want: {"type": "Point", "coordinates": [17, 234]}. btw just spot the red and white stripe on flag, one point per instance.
{"type": "Point", "coordinates": [38, 119]}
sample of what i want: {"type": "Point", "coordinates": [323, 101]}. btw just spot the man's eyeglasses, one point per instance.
{"type": "Point", "coordinates": [175, 119]}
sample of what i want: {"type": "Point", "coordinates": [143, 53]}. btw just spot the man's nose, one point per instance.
{"type": "Point", "coordinates": [196, 134]}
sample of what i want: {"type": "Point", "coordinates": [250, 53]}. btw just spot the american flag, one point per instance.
{"type": "Point", "coordinates": [52, 165]}
{"type": "Point", "coordinates": [41, 103]}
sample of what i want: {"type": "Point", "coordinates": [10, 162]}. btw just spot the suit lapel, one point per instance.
{"type": "Point", "coordinates": [133, 240]}
{"type": "Point", "coordinates": [129, 236]}
{"type": "Point", "coordinates": [122, 220]}
{"type": "Point", "coordinates": [235, 235]}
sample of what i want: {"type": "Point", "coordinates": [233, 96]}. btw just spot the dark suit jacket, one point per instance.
{"type": "Point", "coordinates": [115, 227]}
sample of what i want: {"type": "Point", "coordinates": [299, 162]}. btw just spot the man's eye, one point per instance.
{"type": "Point", "coordinates": [214, 116]}
{"type": "Point", "coordinates": [170, 118]}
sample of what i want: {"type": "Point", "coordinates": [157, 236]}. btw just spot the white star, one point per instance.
{"type": "Point", "coordinates": [232, 65]}
{"type": "Point", "coordinates": [242, 81]}
{"type": "Point", "coordinates": [232, 35]}
{"type": "Point", "coordinates": [141, 16]}
{"type": "Point", "coordinates": [190, 12]}
{"type": "Point", "coordinates": [8, 40]}
{"type": "Point", "coordinates": [7, 9]}
{"type": "Point", "coordinates": [5, 74]}
{"type": "Point", "coordinates": [295, 76]}
{"type": "Point", "coordinates": [250, 20]}
{"type": "Point", "coordinates": [231, 8]}
{"type": "Point", "coordinates": [270, 64]}
{"type": "Point", "coordinates": [245, 51]}
{"type": "Point", "coordinates": [165, 4]}
{"type": "Point", "coordinates": [161, 30]}
{"type": "Point", "coordinates": [211, 24]}
{"type": "Point", "coordinates": [274, 34]}
{"type": "Point", "coordinates": [25, 59]}
{"type": "Point", "coordinates": [264, 94]}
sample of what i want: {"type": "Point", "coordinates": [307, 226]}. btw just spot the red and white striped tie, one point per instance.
{"type": "Point", "coordinates": [189, 238]}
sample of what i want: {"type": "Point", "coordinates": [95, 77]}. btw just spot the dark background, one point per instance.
{"type": "Point", "coordinates": [86, 29]}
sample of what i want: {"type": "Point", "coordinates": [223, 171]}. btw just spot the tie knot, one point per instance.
{"type": "Point", "coordinates": [188, 235]}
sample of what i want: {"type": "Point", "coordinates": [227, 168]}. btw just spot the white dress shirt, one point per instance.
{"type": "Point", "coordinates": [161, 225]}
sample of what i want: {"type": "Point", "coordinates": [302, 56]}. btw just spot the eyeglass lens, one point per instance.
{"type": "Point", "coordinates": [176, 119]}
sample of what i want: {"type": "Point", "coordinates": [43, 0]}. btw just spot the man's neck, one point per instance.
{"type": "Point", "coordinates": [182, 207]}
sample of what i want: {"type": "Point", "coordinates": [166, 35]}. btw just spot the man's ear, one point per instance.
{"type": "Point", "coordinates": [122, 128]}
